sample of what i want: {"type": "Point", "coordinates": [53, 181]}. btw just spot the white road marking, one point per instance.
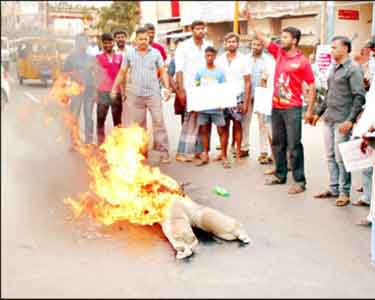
{"type": "Point", "coordinates": [32, 97]}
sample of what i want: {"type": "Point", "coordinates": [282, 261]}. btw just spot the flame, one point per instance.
{"type": "Point", "coordinates": [122, 186]}
{"type": "Point", "coordinates": [63, 88]}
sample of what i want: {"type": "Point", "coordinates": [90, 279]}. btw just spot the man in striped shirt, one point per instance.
{"type": "Point", "coordinates": [144, 62]}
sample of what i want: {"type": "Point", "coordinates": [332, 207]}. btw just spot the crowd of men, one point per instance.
{"type": "Point", "coordinates": [129, 80]}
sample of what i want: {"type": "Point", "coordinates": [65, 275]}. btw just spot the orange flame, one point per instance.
{"type": "Point", "coordinates": [122, 187]}
{"type": "Point", "coordinates": [63, 88]}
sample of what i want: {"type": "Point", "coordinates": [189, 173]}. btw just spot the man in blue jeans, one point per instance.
{"type": "Point", "coordinates": [344, 101]}
{"type": "Point", "coordinates": [80, 67]}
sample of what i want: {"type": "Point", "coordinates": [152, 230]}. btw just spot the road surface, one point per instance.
{"type": "Point", "coordinates": [301, 247]}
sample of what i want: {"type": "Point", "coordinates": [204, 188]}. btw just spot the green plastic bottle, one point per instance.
{"type": "Point", "coordinates": [221, 191]}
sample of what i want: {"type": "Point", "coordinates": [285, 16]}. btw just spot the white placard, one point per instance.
{"type": "Point", "coordinates": [215, 95]}
{"type": "Point", "coordinates": [367, 118]}
{"type": "Point", "coordinates": [263, 100]}
{"type": "Point", "coordinates": [353, 157]}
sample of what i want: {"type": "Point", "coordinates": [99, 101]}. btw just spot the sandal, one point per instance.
{"type": "Point", "coordinates": [274, 180]}
{"type": "Point", "coordinates": [325, 194]}
{"type": "Point", "coordinates": [202, 161]}
{"type": "Point", "coordinates": [342, 200]}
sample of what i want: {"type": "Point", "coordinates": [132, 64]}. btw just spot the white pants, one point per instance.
{"type": "Point", "coordinates": [245, 123]}
{"type": "Point", "coordinates": [264, 134]}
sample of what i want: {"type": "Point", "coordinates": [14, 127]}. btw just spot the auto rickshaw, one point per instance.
{"type": "Point", "coordinates": [37, 58]}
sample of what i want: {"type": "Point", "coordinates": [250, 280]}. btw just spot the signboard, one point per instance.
{"type": "Point", "coordinates": [323, 61]}
{"type": "Point", "coordinates": [323, 57]}
{"type": "Point", "coordinates": [348, 14]}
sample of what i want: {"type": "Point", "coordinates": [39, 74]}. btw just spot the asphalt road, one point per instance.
{"type": "Point", "coordinates": [301, 247]}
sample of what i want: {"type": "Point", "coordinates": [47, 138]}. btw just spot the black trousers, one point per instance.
{"type": "Point", "coordinates": [286, 135]}
{"type": "Point", "coordinates": [105, 102]}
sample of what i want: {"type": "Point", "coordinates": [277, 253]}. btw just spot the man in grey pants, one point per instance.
{"type": "Point", "coordinates": [346, 96]}
{"type": "Point", "coordinates": [80, 67]}
{"type": "Point", "coordinates": [144, 63]}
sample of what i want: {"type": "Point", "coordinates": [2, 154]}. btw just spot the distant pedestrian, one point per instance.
{"type": "Point", "coordinates": [262, 72]}
{"type": "Point", "coordinates": [179, 108]}
{"type": "Point", "coordinates": [151, 34]}
{"type": "Point", "coordinates": [122, 49]}
{"type": "Point", "coordinates": [120, 39]}
{"type": "Point", "coordinates": [80, 66]}
{"type": "Point", "coordinates": [93, 47]}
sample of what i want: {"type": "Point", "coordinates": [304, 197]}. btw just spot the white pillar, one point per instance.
{"type": "Point", "coordinates": [330, 21]}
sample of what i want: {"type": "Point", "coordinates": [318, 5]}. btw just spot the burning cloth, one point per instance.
{"type": "Point", "coordinates": [122, 187]}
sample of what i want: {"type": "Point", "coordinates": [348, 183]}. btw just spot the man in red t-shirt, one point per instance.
{"type": "Point", "coordinates": [108, 65]}
{"type": "Point", "coordinates": [151, 34]}
{"type": "Point", "coordinates": [292, 70]}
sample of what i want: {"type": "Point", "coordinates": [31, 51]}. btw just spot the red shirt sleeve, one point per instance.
{"type": "Point", "coordinates": [307, 73]}
{"type": "Point", "coordinates": [161, 49]}
{"type": "Point", "coordinates": [163, 53]}
{"type": "Point", "coordinates": [274, 49]}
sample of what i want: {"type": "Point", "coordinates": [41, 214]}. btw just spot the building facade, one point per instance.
{"type": "Point", "coordinates": [23, 17]}
{"type": "Point", "coordinates": [317, 20]}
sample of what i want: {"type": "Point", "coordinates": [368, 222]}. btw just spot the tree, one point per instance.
{"type": "Point", "coordinates": [120, 14]}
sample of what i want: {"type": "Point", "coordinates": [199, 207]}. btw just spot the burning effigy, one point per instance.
{"type": "Point", "coordinates": [123, 187]}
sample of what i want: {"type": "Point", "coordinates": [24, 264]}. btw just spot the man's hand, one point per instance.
{"type": "Point", "coordinates": [315, 120]}
{"type": "Point", "coordinates": [167, 94]}
{"type": "Point", "coordinates": [244, 109]}
{"type": "Point", "coordinates": [345, 127]}
{"type": "Point", "coordinates": [113, 94]}
{"type": "Point", "coordinates": [364, 145]}
{"type": "Point", "coordinates": [308, 117]}
{"type": "Point", "coordinates": [96, 97]}
{"type": "Point", "coordinates": [366, 140]}
{"type": "Point", "coordinates": [359, 116]}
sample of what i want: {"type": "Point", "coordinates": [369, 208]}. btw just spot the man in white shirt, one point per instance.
{"type": "Point", "coordinates": [93, 48]}
{"type": "Point", "coordinates": [189, 59]}
{"type": "Point", "coordinates": [120, 39]}
{"type": "Point", "coordinates": [237, 71]}
{"type": "Point", "coordinates": [123, 49]}
{"type": "Point", "coordinates": [262, 72]}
